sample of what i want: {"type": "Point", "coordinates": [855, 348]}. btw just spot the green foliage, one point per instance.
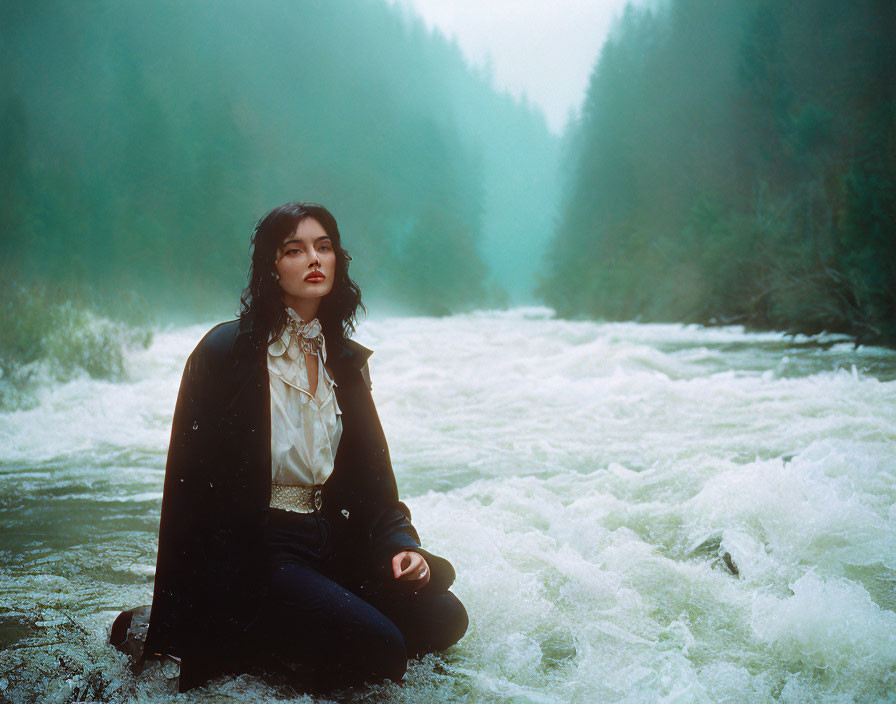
{"type": "Point", "coordinates": [867, 247]}
{"type": "Point", "coordinates": [736, 162]}
{"type": "Point", "coordinates": [59, 335]}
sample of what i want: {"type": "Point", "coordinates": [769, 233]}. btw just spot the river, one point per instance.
{"type": "Point", "coordinates": [636, 513]}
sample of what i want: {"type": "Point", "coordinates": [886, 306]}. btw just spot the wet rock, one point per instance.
{"type": "Point", "coordinates": [129, 633]}
{"type": "Point", "coordinates": [711, 547]}
{"type": "Point", "coordinates": [730, 564]}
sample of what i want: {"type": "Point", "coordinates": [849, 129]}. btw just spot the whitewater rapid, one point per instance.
{"type": "Point", "coordinates": [635, 512]}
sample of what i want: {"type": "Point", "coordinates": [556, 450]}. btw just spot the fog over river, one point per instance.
{"type": "Point", "coordinates": [636, 513]}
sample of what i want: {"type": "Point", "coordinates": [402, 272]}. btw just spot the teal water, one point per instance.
{"type": "Point", "coordinates": [595, 485]}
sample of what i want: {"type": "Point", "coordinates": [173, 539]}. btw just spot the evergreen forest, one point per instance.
{"type": "Point", "coordinates": [735, 162]}
{"type": "Point", "coordinates": [142, 141]}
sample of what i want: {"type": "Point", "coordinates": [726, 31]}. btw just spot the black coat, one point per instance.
{"type": "Point", "coordinates": [212, 569]}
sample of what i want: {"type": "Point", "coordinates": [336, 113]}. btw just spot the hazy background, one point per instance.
{"type": "Point", "coordinates": [725, 161]}
{"type": "Point", "coordinates": [142, 142]}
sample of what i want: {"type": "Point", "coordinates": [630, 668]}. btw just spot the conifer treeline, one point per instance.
{"type": "Point", "coordinates": [141, 142]}
{"type": "Point", "coordinates": [736, 162]}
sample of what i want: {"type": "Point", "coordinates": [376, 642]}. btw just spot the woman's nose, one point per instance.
{"type": "Point", "coordinates": [314, 259]}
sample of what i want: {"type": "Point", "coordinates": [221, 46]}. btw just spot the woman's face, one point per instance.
{"type": "Point", "coordinates": [306, 265]}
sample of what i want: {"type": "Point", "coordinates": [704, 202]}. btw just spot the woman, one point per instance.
{"type": "Point", "coordinates": [282, 536]}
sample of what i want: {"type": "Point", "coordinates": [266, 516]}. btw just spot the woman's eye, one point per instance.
{"type": "Point", "coordinates": [291, 251]}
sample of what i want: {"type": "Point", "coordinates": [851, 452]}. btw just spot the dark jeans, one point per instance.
{"type": "Point", "coordinates": [341, 636]}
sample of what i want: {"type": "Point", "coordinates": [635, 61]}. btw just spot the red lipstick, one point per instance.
{"type": "Point", "coordinates": [315, 276]}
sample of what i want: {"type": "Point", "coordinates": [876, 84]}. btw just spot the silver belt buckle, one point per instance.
{"type": "Point", "coordinates": [318, 499]}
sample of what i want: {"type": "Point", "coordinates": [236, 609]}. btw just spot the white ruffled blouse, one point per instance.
{"type": "Point", "coordinates": [305, 429]}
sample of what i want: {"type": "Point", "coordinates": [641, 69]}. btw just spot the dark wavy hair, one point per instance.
{"type": "Point", "coordinates": [261, 300]}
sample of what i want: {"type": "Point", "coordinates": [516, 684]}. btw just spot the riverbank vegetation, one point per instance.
{"type": "Point", "coordinates": [56, 333]}
{"type": "Point", "coordinates": [735, 162]}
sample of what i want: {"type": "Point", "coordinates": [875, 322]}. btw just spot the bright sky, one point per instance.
{"type": "Point", "coordinates": [544, 49]}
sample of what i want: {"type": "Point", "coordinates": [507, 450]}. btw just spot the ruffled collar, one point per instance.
{"type": "Point", "coordinates": [299, 337]}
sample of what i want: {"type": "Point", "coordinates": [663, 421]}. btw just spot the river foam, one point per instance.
{"type": "Point", "coordinates": [636, 513]}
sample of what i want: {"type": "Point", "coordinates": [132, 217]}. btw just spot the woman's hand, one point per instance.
{"type": "Point", "coordinates": [410, 567]}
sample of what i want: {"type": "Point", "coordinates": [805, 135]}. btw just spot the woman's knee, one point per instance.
{"type": "Point", "coordinates": [377, 645]}
{"type": "Point", "coordinates": [428, 622]}
{"type": "Point", "coordinates": [452, 622]}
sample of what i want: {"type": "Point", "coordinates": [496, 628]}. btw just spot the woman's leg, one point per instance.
{"type": "Point", "coordinates": [313, 620]}
{"type": "Point", "coordinates": [428, 621]}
